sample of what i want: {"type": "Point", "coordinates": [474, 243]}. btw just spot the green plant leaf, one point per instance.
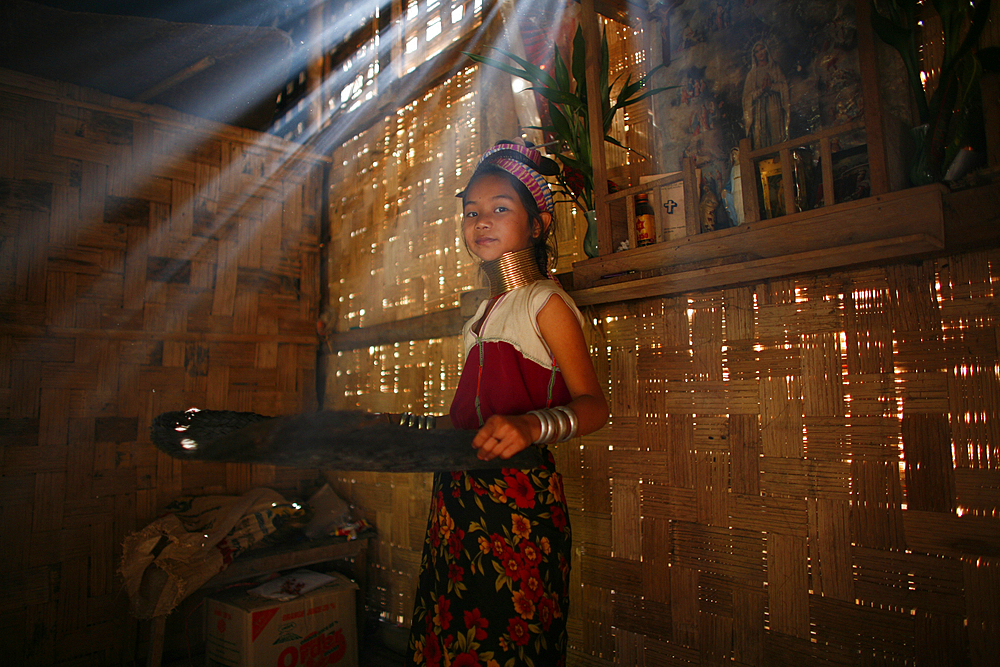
{"type": "Point", "coordinates": [529, 71]}
{"type": "Point", "coordinates": [576, 164]}
{"type": "Point", "coordinates": [579, 64]}
{"type": "Point", "coordinates": [611, 140]}
{"type": "Point", "coordinates": [561, 125]}
{"type": "Point", "coordinates": [561, 73]}
{"type": "Point", "coordinates": [540, 75]}
{"type": "Point", "coordinates": [557, 96]}
{"type": "Point", "coordinates": [568, 107]}
{"type": "Point", "coordinates": [650, 93]}
{"type": "Point", "coordinates": [505, 67]}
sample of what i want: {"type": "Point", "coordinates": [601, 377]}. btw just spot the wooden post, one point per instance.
{"type": "Point", "coordinates": [874, 131]}
{"type": "Point", "coordinates": [787, 180]}
{"type": "Point", "coordinates": [826, 162]}
{"type": "Point", "coordinates": [314, 70]}
{"type": "Point", "coordinates": [592, 37]}
{"type": "Point", "coordinates": [748, 183]}
{"type": "Point", "coordinates": [692, 198]}
{"type": "Point", "coordinates": [990, 84]}
{"type": "Point", "coordinates": [633, 237]}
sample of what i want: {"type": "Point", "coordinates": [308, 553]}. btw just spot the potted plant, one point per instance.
{"type": "Point", "coordinates": [951, 115]}
{"type": "Point", "coordinates": [569, 121]}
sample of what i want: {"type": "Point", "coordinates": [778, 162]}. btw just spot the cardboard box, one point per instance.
{"type": "Point", "coordinates": [313, 630]}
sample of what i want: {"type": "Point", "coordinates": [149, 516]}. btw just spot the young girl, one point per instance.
{"type": "Point", "coordinates": [494, 577]}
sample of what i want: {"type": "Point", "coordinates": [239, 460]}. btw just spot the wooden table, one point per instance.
{"type": "Point", "coordinates": [267, 560]}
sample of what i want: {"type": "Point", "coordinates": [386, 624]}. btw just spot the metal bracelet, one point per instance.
{"type": "Point", "coordinates": [546, 423]}
{"type": "Point", "coordinates": [544, 427]}
{"type": "Point", "coordinates": [563, 425]}
{"type": "Point", "coordinates": [574, 422]}
{"type": "Point", "coordinates": [410, 420]}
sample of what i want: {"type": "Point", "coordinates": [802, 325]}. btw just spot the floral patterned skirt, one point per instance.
{"type": "Point", "coordinates": [494, 573]}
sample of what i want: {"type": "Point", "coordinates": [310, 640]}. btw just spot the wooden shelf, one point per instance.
{"type": "Point", "coordinates": [892, 226]}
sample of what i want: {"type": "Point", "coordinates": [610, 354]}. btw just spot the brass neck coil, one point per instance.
{"type": "Point", "coordinates": [512, 270]}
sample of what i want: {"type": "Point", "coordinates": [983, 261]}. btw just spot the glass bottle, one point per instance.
{"type": "Point", "coordinates": [645, 221]}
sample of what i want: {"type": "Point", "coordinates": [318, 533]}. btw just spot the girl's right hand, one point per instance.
{"type": "Point", "coordinates": [503, 436]}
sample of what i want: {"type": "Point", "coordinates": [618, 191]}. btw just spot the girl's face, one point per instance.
{"type": "Point", "coordinates": [494, 220]}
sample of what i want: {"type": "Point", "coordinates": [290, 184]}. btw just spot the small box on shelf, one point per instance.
{"type": "Point", "coordinates": [668, 200]}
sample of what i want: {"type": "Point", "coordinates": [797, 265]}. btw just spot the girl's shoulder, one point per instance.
{"type": "Point", "coordinates": [517, 310]}
{"type": "Point", "coordinates": [538, 294]}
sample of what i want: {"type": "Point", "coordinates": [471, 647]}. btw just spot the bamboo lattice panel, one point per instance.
{"type": "Point", "coordinates": [801, 472]}
{"type": "Point", "coordinates": [420, 376]}
{"type": "Point", "coordinates": [396, 250]}
{"type": "Point", "coordinates": [395, 253]}
{"type": "Point", "coordinates": [150, 262]}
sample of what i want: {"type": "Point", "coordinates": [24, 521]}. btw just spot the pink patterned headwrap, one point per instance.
{"type": "Point", "coordinates": [523, 163]}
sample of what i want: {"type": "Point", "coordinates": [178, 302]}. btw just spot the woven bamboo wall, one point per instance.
{"type": "Point", "coordinates": [394, 254]}
{"type": "Point", "coordinates": [149, 262]}
{"type": "Point", "coordinates": [800, 472]}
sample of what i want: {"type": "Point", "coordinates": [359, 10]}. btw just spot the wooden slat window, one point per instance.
{"type": "Point", "coordinates": [428, 26]}
{"type": "Point", "coordinates": [393, 212]}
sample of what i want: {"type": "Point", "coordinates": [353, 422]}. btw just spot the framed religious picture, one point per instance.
{"type": "Point", "coordinates": [766, 70]}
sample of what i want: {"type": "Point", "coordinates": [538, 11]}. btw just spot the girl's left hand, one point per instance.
{"type": "Point", "coordinates": [504, 436]}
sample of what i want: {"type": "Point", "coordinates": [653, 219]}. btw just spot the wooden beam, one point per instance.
{"type": "Point", "coordinates": [812, 240]}
{"type": "Point", "coordinates": [760, 269]}
{"type": "Point", "coordinates": [439, 324]}
{"type": "Point", "coordinates": [314, 68]}
{"type": "Point", "coordinates": [592, 38]}
{"type": "Point", "coordinates": [873, 113]}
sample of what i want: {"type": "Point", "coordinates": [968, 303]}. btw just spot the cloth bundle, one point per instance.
{"type": "Point", "coordinates": [196, 539]}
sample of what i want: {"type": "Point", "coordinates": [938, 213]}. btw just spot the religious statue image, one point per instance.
{"type": "Point", "coordinates": [706, 209]}
{"type": "Point", "coordinates": [732, 194]}
{"type": "Point", "coordinates": [765, 100]}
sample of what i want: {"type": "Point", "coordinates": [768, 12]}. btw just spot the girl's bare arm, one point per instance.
{"type": "Point", "coordinates": [504, 436]}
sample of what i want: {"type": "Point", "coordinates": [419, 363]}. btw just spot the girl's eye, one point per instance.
{"type": "Point", "coordinates": [501, 209]}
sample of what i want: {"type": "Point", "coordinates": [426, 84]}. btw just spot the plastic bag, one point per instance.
{"type": "Point", "coordinates": [198, 537]}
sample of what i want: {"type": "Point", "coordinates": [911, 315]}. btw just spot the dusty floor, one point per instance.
{"type": "Point", "coordinates": [374, 655]}
{"type": "Point", "coordinates": [372, 652]}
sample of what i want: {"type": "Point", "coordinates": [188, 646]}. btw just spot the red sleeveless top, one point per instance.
{"type": "Point", "coordinates": [508, 368]}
